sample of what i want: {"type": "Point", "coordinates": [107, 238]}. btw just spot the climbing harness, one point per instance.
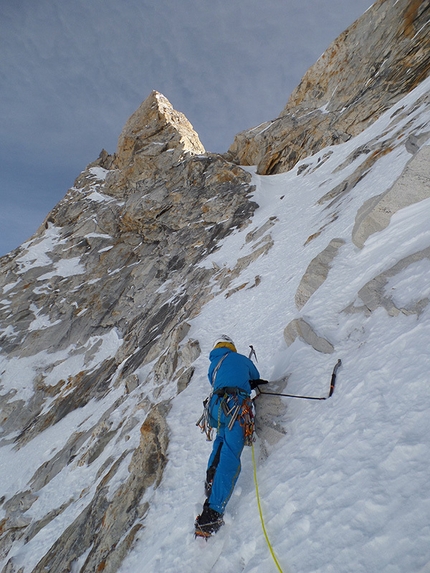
{"type": "Point", "coordinates": [234, 410]}
{"type": "Point", "coordinates": [231, 412]}
{"type": "Point", "coordinates": [272, 552]}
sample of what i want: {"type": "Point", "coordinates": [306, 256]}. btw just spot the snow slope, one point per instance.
{"type": "Point", "coordinates": [346, 488]}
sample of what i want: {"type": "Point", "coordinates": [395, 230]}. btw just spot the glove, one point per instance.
{"type": "Point", "coordinates": [258, 382]}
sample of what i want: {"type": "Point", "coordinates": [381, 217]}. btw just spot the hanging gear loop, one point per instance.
{"type": "Point", "coordinates": [235, 407]}
{"type": "Point", "coordinates": [203, 422]}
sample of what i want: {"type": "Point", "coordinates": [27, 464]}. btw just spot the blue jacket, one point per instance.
{"type": "Point", "coordinates": [236, 370]}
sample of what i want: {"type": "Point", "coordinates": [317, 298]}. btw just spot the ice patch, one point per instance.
{"type": "Point", "coordinates": [65, 268]}
{"type": "Point", "coordinates": [36, 250]}
{"type": "Point", "coordinates": [99, 172]}
{"type": "Point", "coordinates": [41, 321]}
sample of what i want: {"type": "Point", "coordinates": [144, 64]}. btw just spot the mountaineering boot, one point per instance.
{"type": "Point", "coordinates": [208, 522]}
{"type": "Point", "coordinates": [210, 474]}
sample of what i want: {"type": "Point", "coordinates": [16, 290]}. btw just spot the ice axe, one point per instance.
{"type": "Point", "coordinates": [331, 390]}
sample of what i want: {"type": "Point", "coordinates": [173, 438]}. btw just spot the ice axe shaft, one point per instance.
{"type": "Point", "coordinates": [332, 386]}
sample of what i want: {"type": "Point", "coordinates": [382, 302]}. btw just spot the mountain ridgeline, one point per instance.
{"type": "Point", "coordinates": [97, 307]}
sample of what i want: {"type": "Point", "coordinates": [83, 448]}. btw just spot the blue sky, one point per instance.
{"type": "Point", "coordinates": [71, 73]}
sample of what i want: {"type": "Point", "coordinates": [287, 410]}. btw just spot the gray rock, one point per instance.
{"type": "Point", "coordinates": [299, 328]}
{"type": "Point", "coordinates": [374, 295]}
{"type": "Point", "coordinates": [270, 416]}
{"type": "Point", "coordinates": [110, 542]}
{"type": "Point", "coordinates": [317, 272]}
{"type": "Point", "coordinates": [411, 187]}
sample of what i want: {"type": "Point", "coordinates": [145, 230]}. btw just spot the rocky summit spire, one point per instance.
{"type": "Point", "coordinates": [154, 138]}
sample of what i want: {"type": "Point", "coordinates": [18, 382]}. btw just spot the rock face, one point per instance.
{"type": "Point", "coordinates": [369, 67]}
{"type": "Point", "coordinates": [374, 295]}
{"type": "Point", "coordinates": [103, 291]}
{"type": "Point", "coordinates": [108, 543]}
{"type": "Point", "coordinates": [106, 289]}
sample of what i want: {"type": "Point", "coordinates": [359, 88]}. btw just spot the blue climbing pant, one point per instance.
{"type": "Point", "coordinates": [226, 451]}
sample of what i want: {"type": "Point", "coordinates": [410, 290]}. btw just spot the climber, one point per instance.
{"type": "Point", "coordinates": [229, 410]}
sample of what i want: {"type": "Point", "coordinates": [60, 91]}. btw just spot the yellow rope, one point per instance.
{"type": "Point", "coordinates": [275, 559]}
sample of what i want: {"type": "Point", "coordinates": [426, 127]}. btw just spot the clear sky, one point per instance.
{"type": "Point", "coordinates": [71, 73]}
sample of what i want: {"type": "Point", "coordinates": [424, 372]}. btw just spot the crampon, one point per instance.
{"type": "Point", "coordinates": [208, 523]}
{"type": "Point", "coordinates": [208, 530]}
{"type": "Point", "coordinates": [200, 533]}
